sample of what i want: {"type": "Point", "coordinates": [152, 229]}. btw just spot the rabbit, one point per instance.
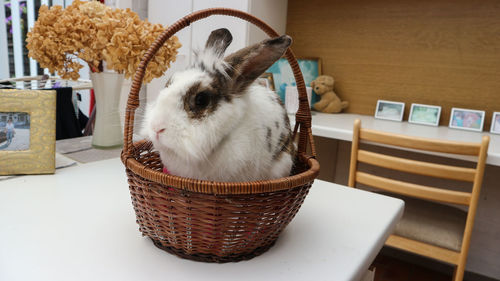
{"type": "Point", "coordinates": [212, 122]}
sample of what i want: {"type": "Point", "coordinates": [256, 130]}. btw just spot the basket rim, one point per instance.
{"type": "Point", "coordinates": [224, 188]}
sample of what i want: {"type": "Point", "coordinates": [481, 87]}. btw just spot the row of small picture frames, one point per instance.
{"type": "Point", "coordinates": [465, 119]}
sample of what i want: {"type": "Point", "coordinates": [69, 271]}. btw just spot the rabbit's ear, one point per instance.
{"type": "Point", "coordinates": [249, 63]}
{"type": "Point", "coordinates": [219, 40]}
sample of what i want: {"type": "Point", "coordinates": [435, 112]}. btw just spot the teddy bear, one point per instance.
{"type": "Point", "coordinates": [329, 101]}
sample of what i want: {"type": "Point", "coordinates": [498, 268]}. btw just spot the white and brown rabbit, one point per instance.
{"type": "Point", "coordinates": [212, 122]}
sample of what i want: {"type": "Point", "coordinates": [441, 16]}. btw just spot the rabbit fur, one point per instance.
{"type": "Point", "coordinates": [212, 122]}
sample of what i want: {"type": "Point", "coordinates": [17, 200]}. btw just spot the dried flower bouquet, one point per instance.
{"type": "Point", "coordinates": [95, 33]}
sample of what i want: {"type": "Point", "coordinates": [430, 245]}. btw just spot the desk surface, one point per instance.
{"type": "Point", "coordinates": [79, 224]}
{"type": "Point", "coordinates": [339, 126]}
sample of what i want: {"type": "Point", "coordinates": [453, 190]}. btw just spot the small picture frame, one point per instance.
{"type": "Point", "coordinates": [389, 110]}
{"type": "Point", "coordinates": [283, 76]}
{"type": "Point", "coordinates": [424, 114]}
{"type": "Point", "coordinates": [267, 81]}
{"type": "Point", "coordinates": [495, 123]}
{"type": "Point", "coordinates": [27, 132]}
{"type": "Point", "coordinates": [467, 119]}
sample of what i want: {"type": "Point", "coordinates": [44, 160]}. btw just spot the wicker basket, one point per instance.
{"type": "Point", "coordinates": [214, 221]}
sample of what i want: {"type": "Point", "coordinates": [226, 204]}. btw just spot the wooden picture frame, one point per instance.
{"type": "Point", "coordinates": [467, 119]}
{"type": "Point", "coordinates": [31, 145]}
{"type": "Point", "coordinates": [267, 81]}
{"type": "Point", "coordinates": [390, 110]}
{"type": "Point", "coordinates": [424, 114]}
{"type": "Point", "coordinates": [311, 68]}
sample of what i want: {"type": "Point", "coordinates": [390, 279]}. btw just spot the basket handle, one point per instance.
{"type": "Point", "coordinates": [302, 117]}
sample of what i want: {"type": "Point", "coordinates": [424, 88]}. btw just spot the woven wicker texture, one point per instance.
{"type": "Point", "coordinates": [214, 221]}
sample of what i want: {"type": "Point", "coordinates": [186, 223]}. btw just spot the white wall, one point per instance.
{"type": "Point", "coordinates": [237, 27]}
{"type": "Point", "coordinates": [274, 13]}
{"type": "Point", "coordinates": [167, 12]}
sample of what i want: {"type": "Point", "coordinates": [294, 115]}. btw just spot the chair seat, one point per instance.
{"type": "Point", "coordinates": [434, 223]}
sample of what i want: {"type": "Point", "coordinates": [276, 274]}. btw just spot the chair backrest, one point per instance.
{"type": "Point", "coordinates": [473, 175]}
{"type": "Point", "coordinates": [452, 172]}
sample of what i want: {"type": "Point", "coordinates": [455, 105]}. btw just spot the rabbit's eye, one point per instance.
{"type": "Point", "coordinates": [202, 99]}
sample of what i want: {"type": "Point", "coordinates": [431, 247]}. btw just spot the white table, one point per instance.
{"type": "Point", "coordinates": [79, 224]}
{"type": "Point", "coordinates": [339, 126]}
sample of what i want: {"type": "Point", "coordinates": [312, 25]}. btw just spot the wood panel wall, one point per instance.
{"type": "Point", "coordinates": [438, 52]}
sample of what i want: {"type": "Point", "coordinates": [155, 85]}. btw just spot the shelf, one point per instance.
{"type": "Point", "coordinates": [339, 126]}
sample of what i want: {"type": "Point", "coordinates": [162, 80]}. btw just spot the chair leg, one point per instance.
{"type": "Point", "coordinates": [458, 274]}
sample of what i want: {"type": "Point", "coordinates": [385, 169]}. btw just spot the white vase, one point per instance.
{"type": "Point", "coordinates": [107, 131]}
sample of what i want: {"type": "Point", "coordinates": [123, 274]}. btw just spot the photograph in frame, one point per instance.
{"type": "Point", "coordinates": [424, 114]}
{"type": "Point", "coordinates": [267, 81]}
{"type": "Point", "coordinates": [283, 75]}
{"type": "Point", "coordinates": [495, 123]}
{"type": "Point", "coordinates": [27, 132]}
{"type": "Point", "coordinates": [389, 110]}
{"type": "Point", "coordinates": [14, 131]}
{"type": "Point", "coordinates": [467, 119]}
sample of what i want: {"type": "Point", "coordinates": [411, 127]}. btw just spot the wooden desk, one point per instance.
{"type": "Point", "coordinates": [79, 224]}
{"type": "Point", "coordinates": [339, 126]}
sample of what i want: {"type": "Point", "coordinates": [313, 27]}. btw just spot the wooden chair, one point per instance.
{"type": "Point", "coordinates": [428, 228]}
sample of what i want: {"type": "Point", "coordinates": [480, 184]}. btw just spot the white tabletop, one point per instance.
{"type": "Point", "coordinates": [79, 224]}
{"type": "Point", "coordinates": [339, 126]}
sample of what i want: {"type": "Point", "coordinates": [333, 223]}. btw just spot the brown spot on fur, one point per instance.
{"type": "Point", "coordinates": [285, 119]}
{"type": "Point", "coordinates": [189, 99]}
{"type": "Point", "coordinates": [220, 83]}
{"type": "Point", "coordinates": [275, 98]}
{"type": "Point", "coordinates": [269, 139]}
{"type": "Point", "coordinates": [203, 67]}
{"type": "Point", "coordinates": [285, 145]}
{"type": "Point", "coordinates": [217, 91]}
{"type": "Point", "coordinates": [194, 111]}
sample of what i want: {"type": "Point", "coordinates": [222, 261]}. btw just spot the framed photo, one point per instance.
{"type": "Point", "coordinates": [390, 110]}
{"type": "Point", "coordinates": [283, 75]}
{"type": "Point", "coordinates": [424, 114]}
{"type": "Point", "coordinates": [27, 132]}
{"type": "Point", "coordinates": [467, 119]}
{"type": "Point", "coordinates": [495, 123]}
{"type": "Point", "coordinates": [267, 80]}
